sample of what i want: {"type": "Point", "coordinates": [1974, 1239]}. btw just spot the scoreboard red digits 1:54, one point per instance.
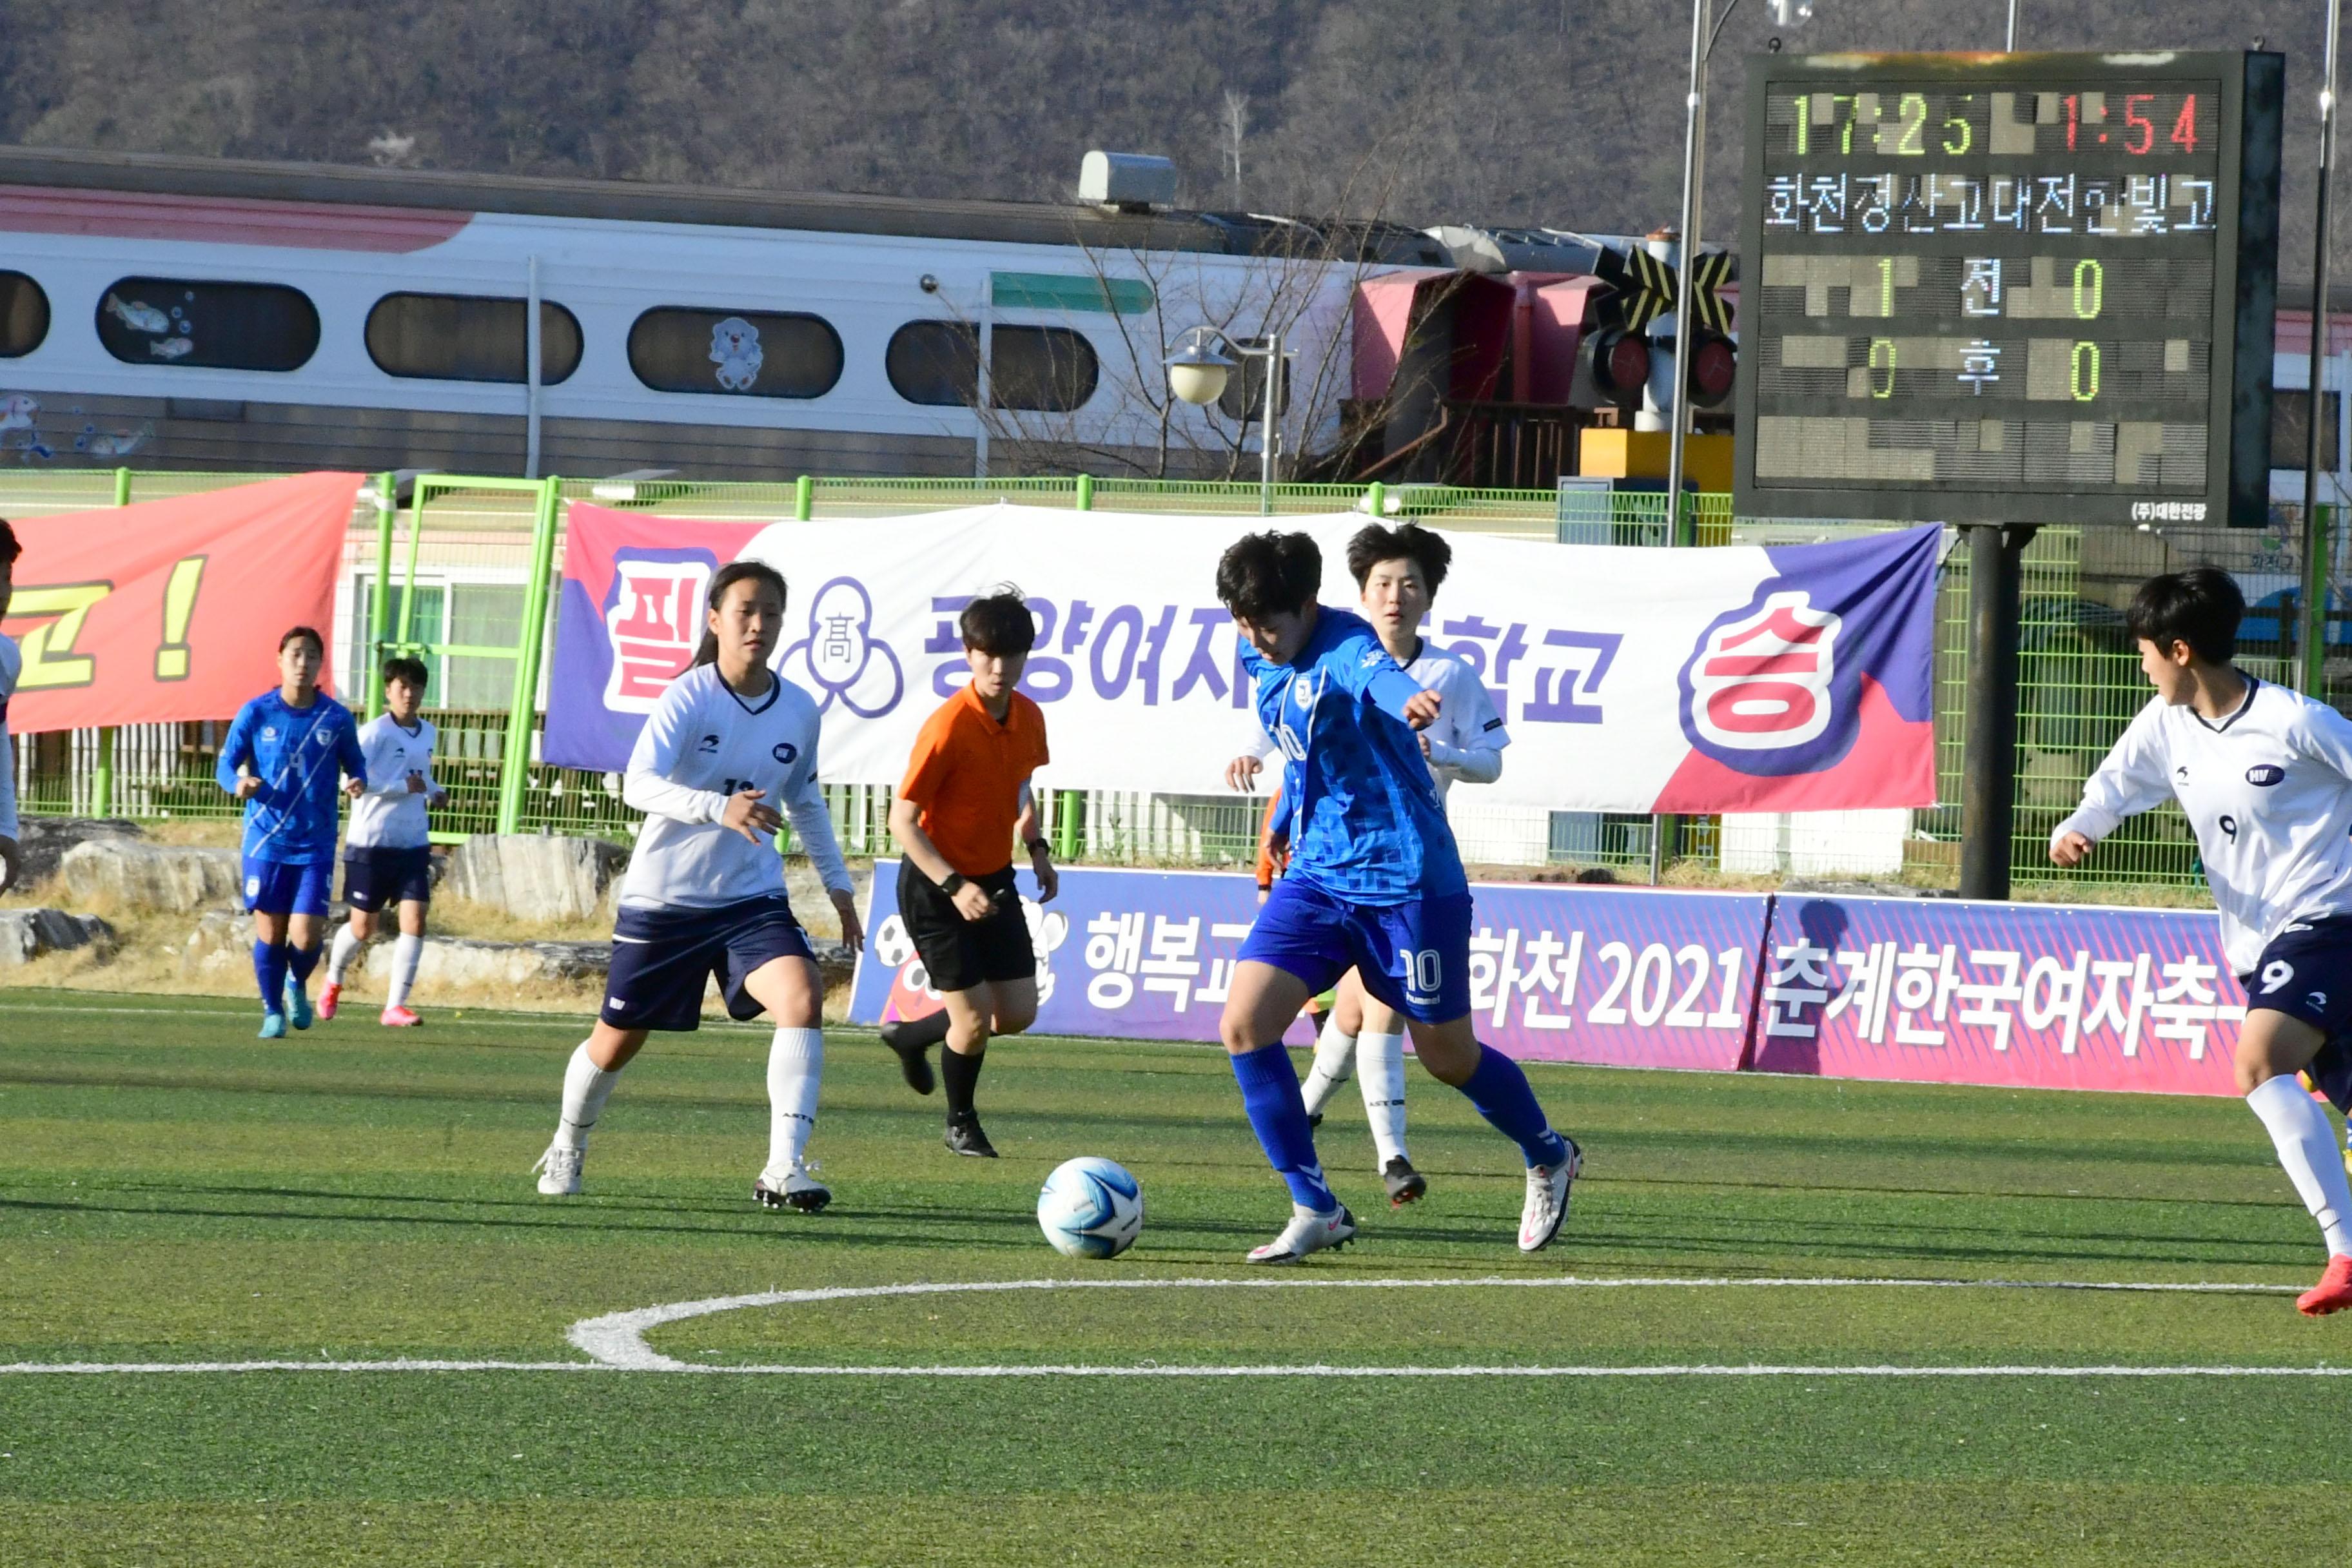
{"type": "Point", "coordinates": [2008, 288]}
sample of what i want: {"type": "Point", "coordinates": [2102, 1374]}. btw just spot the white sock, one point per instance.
{"type": "Point", "coordinates": [405, 950]}
{"type": "Point", "coordinates": [2307, 1148]}
{"type": "Point", "coordinates": [795, 1066]}
{"type": "Point", "coordinates": [1335, 1064]}
{"type": "Point", "coordinates": [587, 1086]}
{"type": "Point", "coordinates": [1379, 1061]}
{"type": "Point", "coordinates": [339, 957]}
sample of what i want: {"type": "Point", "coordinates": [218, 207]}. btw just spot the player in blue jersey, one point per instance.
{"type": "Point", "coordinates": [1374, 884]}
{"type": "Point", "coordinates": [282, 758]}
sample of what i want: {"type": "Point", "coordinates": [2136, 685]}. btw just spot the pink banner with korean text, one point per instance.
{"type": "Point", "coordinates": [2026, 995]}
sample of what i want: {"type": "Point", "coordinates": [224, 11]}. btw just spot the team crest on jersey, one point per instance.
{"type": "Point", "coordinates": [2265, 774]}
{"type": "Point", "coordinates": [786, 753]}
{"type": "Point", "coordinates": [270, 731]}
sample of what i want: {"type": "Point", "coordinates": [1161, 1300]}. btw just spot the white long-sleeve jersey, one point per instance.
{"type": "Point", "coordinates": [1467, 741]}
{"type": "Point", "coordinates": [2268, 790]}
{"type": "Point", "coordinates": [702, 744]}
{"type": "Point", "coordinates": [12, 662]}
{"type": "Point", "coordinates": [388, 815]}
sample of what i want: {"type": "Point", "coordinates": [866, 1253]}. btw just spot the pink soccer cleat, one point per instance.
{"type": "Point", "coordinates": [398, 1017]}
{"type": "Point", "coordinates": [327, 1000]}
{"type": "Point", "coordinates": [2332, 1294]}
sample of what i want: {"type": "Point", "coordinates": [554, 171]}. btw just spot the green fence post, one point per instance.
{"type": "Point", "coordinates": [387, 504]}
{"type": "Point", "coordinates": [522, 718]}
{"type": "Point", "coordinates": [1085, 493]}
{"type": "Point", "coordinates": [101, 778]}
{"type": "Point", "coordinates": [1069, 815]}
{"type": "Point", "coordinates": [1376, 501]}
{"type": "Point", "coordinates": [803, 498]}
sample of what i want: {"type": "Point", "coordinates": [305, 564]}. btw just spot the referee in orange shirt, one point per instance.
{"type": "Point", "coordinates": [965, 799]}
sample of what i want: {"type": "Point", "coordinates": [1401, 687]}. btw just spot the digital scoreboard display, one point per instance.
{"type": "Point", "coordinates": [2008, 288]}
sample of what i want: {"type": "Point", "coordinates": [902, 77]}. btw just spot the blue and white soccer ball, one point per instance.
{"type": "Point", "coordinates": [1090, 1208]}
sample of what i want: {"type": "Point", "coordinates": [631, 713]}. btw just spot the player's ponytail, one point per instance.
{"type": "Point", "coordinates": [726, 577]}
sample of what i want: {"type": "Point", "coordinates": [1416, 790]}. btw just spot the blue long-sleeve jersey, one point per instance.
{"type": "Point", "coordinates": [1365, 821]}
{"type": "Point", "coordinates": [299, 755]}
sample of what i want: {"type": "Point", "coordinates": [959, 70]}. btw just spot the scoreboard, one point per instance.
{"type": "Point", "coordinates": [2008, 288]}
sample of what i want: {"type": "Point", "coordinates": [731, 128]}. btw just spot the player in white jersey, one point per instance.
{"type": "Point", "coordinates": [704, 895]}
{"type": "Point", "coordinates": [1398, 572]}
{"type": "Point", "coordinates": [387, 849]}
{"type": "Point", "coordinates": [12, 660]}
{"type": "Point", "coordinates": [2265, 777]}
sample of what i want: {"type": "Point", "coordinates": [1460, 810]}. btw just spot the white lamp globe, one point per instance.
{"type": "Point", "coordinates": [1197, 374]}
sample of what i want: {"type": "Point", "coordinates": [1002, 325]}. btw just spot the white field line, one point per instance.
{"type": "Point", "coordinates": [615, 1343]}
{"type": "Point", "coordinates": [618, 1338]}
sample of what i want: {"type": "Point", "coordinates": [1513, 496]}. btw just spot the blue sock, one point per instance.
{"type": "Point", "coordinates": [1499, 1091]}
{"type": "Point", "coordinates": [269, 973]}
{"type": "Point", "coordinates": [300, 960]}
{"type": "Point", "coordinates": [1278, 1114]}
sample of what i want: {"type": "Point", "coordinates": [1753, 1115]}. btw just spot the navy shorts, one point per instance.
{"type": "Point", "coordinates": [274, 888]}
{"type": "Point", "coordinates": [378, 877]}
{"type": "Point", "coordinates": [663, 959]}
{"type": "Point", "coordinates": [1413, 956]}
{"type": "Point", "coordinates": [2307, 974]}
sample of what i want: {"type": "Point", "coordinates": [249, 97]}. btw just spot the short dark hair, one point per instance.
{"type": "Point", "coordinates": [404, 667]}
{"type": "Point", "coordinates": [9, 548]}
{"type": "Point", "coordinates": [311, 632]}
{"type": "Point", "coordinates": [999, 622]}
{"type": "Point", "coordinates": [1377, 542]}
{"type": "Point", "coordinates": [2200, 607]}
{"type": "Point", "coordinates": [1269, 573]}
{"type": "Point", "coordinates": [726, 577]}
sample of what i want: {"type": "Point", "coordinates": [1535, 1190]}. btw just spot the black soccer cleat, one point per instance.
{"type": "Point", "coordinates": [796, 1189]}
{"type": "Point", "coordinates": [1314, 1118]}
{"type": "Point", "coordinates": [1404, 1183]}
{"type": "Point", "coordinates": [914, 1057]}
{"type": "Point", "coordinates": [964, 1137]}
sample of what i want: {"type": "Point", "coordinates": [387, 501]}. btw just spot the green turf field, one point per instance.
{"type": "Point", "coordinates": [173, 1191]}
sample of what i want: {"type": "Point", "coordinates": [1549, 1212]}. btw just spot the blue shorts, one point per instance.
{"type": "Point", "coordinates": [663, 959]}
{"type": "Point", "coordinates": [378, 877]}
{"type": "Point", "coordinates": [1414, 956]}
{"type": "Point", "coordinates": [274, 888]}
{"type": "Point", "coordinates": [2307, 974]}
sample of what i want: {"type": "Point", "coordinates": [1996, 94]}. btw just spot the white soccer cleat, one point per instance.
{"type": "Point", "coordinates": [795, 1189]}
{"type": "Point", "coordinates": [1547, 1202]}
{"type": "Point", "coordinates": [1306, 1232]}
{"type": "Point", "coordinates": [558, 1171]}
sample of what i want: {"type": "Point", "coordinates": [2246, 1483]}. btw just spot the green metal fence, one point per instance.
{"type": "Point", "coordinates": [462, 571]}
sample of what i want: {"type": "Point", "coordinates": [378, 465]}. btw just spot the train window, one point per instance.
{"type": "Point", "coordinates": [747, 353]}
{"type": "Point", "coordinates": [209, 326]}
{"type": "Point", "coordinates": [469, 337]}
{"type": "Point", "coordinates": [1037, 369]}
{"type": "Point", "coordinates": [24, 315]}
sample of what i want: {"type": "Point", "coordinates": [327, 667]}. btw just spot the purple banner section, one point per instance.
{"type": "Point", "coordinates": [2039, 995]}
{"type": "Point", "coordinates": [1635, 978]}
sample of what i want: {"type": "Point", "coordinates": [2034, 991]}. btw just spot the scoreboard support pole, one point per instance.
{"type": "Point", "coordinates": [1989, 763]}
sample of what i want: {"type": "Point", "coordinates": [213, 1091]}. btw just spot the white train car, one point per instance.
{"type": "Point", "coordinates": [165, 313]}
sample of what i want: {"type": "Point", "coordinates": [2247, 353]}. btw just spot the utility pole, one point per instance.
{"type": "Point", "coordinates": [2310, 639]}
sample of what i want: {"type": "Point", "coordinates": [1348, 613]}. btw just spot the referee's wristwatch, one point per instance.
{"type": "Point", "coordinates": [1038, 845]}
{"type": "Point", "coordinates": [953, 885]}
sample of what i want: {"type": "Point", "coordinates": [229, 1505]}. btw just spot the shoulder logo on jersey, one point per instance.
{"type": "Point", "coordinates": [841, 659]}
{"type": "Point", "coordinates": [1373, 657]}
{"type": "Point", "coordinates": [1494, 723]}
{"type": "Point", "coordinates": [2263, 775]}
{"type": "Point", "coordinates": [786, 753]}
{"type": "Point", "coordinates": [2181, 774]}
{"type": "Point", "coordinates": [707, 744]}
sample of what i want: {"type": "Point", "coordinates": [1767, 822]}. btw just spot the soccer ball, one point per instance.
{"type": "Point", "coordinates": [1090, 1208]}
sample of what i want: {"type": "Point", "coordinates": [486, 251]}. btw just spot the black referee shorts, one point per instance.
{"type": "Point", "coordinates": [960, 953]}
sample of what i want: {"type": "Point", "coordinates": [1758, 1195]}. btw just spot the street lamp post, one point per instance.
{"type": "Point", "coordinates": [1197, 374]}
